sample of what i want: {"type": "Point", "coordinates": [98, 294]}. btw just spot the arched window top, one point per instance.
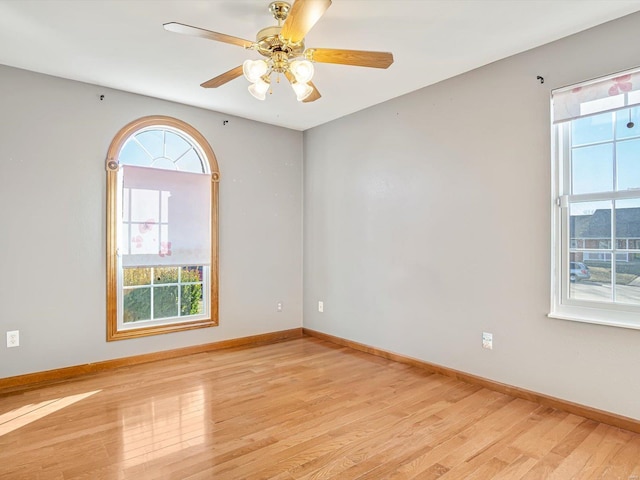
{"type": "Point", "coordinates": [164, 143]}
{"type": "Point", "coordinates": [165, 148]}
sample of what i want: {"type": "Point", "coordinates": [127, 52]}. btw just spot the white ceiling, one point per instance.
{"type": "Point", "coordinates": [122, 44]}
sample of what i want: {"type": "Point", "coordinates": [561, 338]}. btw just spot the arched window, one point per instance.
{"type": "Point", "coordinates": [162, 230]}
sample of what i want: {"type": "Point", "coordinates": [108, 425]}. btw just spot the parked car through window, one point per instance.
{"type": "Point", "coordinates": [578, 271]}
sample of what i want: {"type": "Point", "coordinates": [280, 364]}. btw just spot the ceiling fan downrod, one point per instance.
{"type": "Point", "coordinates": [279, 10]}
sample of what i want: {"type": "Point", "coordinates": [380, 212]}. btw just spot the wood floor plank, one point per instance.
{"type": "Point", "coordinates": [460, 441]}
{"type": "Point", "coordinates": [518, 468]}
{"type": "Point", "coordinates": [303, 409]}
{"type": "Point", "coordinates": [613, 440]}
{"type": "Point", "coordinates": [623, 462]}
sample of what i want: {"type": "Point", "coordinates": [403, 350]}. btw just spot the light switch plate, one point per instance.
{"type": "Point", "coordinates": [13, 338]}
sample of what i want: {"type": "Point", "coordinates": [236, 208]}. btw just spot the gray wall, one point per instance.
{"type": "Point", "coordinates": [54, 136]}
{"type": "Point", "coordinates": [427, 222]}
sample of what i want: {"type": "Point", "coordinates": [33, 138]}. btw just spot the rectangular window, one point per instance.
{"type": "Point", "coordinates": [165, 246]}
{"type": "Point", "coordinates": [596, 264]}
{"type": "Point", "coordinates": [155, 293]}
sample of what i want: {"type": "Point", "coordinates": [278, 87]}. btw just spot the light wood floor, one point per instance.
{"type": "Point", "coordinates": [301, 409]}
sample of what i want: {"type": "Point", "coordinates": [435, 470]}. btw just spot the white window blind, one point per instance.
{"type": "Point", "coordinates": [611, 93]}
{"type": "Point", "coordinates": [166, 217]}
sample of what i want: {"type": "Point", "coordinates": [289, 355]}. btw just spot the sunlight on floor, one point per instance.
{"type": "Point", "coordinates": [162, 426]}
{"type": "Point", "coordinates": [22, 416]}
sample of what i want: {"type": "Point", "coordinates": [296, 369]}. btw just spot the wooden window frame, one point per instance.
{"type": "Point", "coordinates": [112, 167]}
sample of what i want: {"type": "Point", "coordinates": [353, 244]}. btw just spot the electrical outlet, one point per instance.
{"type": "Point", "coordinates": [279, 307]}
{"type": "Point", "coordinates": [13, 338]}
{"type": "Point", "coordinates": [487, 340]}
{"type": "Point", "coordinates": [320, 306]}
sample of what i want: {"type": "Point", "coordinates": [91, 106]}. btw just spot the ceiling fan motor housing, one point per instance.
{"type": "Point", "coordinates": [268, 41]}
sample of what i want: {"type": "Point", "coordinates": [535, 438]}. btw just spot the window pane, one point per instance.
{"type": "Point", "coordinates": [590, 225]}
{"type": "Point", "coordinates": [165, 302]}
{"type": "Point", "coordinates": [153, 142]}
{"type": "Point", "coordinates": [191, 274]}
{"type": "Point", "coordinates": [191, 299]}
{"type": "Point", "coordinates": [144, 238]}
{"type": "Point", "coordinates": [628, 220]}
{"type": "Point", "coordinates": [125, 244]}
{"type": "Point", "coordinates": [145, 205]}
{"type": "Point", "coordinates": [598, 128]}
{"type": "Point", "coordinates": [165, 275]}
{"type": "Point", "coordinates": [165, 243]}
{"type": "Point", "coordinates": [628, 278]}
{"type": "Point", "coordinates": [175, 145]}
{"type": "Point", "coordinates": [628, 158]}
{"type": "Point", "coordinates": [190, 163]}
{"type": "Point", "coordinates": [163, 163]}
{"type": "Point", "coordinates": [137, 276]}
{"type": "Point", "coordinates": [590, 279]}
{"type": "Point", "coordinates": [125, 204]}
{"type": "Point", "coordinates": [137, 304]}
{"type": "Point", "coordinates": [133, 154]}
{"type": "Point", "coordinates": [592, 169]}
{"type": "Point", "coordinates": [624, 129]}
{"type": "Point", "coordinates": [164, 206]}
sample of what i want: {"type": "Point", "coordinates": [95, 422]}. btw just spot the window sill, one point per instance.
{"type": "Point", "coordinates": [160, 329]}
{"type": "Point", "coordinates": [616, 320]}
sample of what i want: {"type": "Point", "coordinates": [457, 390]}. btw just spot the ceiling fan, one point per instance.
{"type": "Point", "coordinates": [283, 47]}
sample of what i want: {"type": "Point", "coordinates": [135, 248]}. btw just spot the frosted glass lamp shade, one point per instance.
{"type": "Point", "coordinates": [259, 89]}
{"type": "Point", "coordinates": [302, 90]}
{"type": "Point", "coordinates": [254, 69]}
{"type": "Point", "coordinates": [302, 70]}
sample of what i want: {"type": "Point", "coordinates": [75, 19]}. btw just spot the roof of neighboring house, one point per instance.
{"type": "Point", "coordinates": [598, 225]}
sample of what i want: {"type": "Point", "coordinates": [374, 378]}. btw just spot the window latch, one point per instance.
{"type": "Point", "coordinates": [562, 201]}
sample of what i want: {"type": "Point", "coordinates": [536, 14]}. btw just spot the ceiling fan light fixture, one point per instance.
{"type": "Point", "coordinates": [254, 69]}
{"type": "Point", "coordinates": [302, 90]}
{"type": "Point", "coordinates": [284, 51]}
{"type": "Point", "coordinates": [259, 88]}
{"type": "Point", "coordinates": [302, 70]}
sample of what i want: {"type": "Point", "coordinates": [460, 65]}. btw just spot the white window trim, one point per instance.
{"type": "Point", "coordinates": [562, 307]}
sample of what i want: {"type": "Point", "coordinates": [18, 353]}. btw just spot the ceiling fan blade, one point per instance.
{"type": "Point", "coordinates": [289, 76]}
{"type": "Point", "coordinates": [359, 58]}
{"type": "Point", "coordinates": [200, 32]}
{"type": "Point", "coordinates": [224, 78]}
{"type": "Point", "coordinates": [315, 95]}
{"type": "Point", "coordinates": [301, 18]}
